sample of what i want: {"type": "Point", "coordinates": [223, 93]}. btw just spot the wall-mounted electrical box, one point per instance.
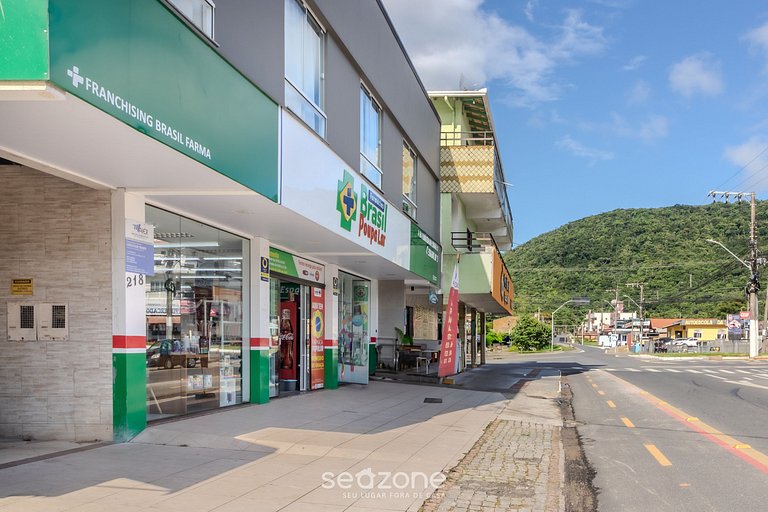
{"type": "Point", "coordinates": [47, 321]}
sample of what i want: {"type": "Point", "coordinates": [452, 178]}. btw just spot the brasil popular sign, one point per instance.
{"type": "Point", "coordinates": [365, 212]}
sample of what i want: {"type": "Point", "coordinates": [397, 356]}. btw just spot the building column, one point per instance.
{"type": "Point", "coordinates": [260, 335]}
{"type": "Point", "coordinates": [463, 335]}
{"type": "Point", "coordinates": [482, 337]}
{"type": "Point", "coordinates": [129, 331]}
{"type": "Point", "coordinates": [473, 336]}
{"type": "Point", "coordinates": [331, 336]}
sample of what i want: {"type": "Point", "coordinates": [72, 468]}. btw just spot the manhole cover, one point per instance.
{"type": "Point", "coordinates": [433, 400]}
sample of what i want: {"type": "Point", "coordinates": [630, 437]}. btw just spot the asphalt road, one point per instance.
{"type": "Point", "coordinates": [671, 434]}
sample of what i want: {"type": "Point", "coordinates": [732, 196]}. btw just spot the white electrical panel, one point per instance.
{"type": "Point", "coordinates": [29, 321]}
{"type": "Point", "coordinates": [52, 321]}
{"type": "Point", "coordinates": [22, 321]}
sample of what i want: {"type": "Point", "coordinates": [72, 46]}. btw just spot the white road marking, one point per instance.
{"type": "Point", "coordinates": [744, 383]}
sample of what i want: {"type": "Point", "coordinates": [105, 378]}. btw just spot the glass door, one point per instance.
{"type": "Point", "coordinates": [304, 337]}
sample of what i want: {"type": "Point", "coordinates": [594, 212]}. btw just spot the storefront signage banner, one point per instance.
{"type": "Point", "coordinates": [501, 287]}
{"type": "Point", "coordinates": [449, 348]}
{"type": "Point", "coordinates": [317, 328]}
{"type": "Point", "coordinates": [139, 247]}
{"type": "Point", "coordinates": [141, 64]}
{"type": "Point", "coordinates": [293, 266]}
{"type": "Point", "coordinates": [425, 255]}
{"type": "Point", "coordinates": [320, 186]}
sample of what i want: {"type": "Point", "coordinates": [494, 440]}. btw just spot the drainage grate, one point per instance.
{"type": "Point", "coordinates": [433, 400]}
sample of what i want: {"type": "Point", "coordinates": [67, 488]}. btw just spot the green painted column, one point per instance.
{"type": "Point", "coordinates": [331, 352]}
{"type": "Point", "coordinates": [129, 392]}
{"type": "Point", "coordinates": [259, 370]}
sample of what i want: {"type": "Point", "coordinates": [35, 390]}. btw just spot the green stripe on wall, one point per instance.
{"type": "Point", "coordinates": [129, 395]}
{"type": "Point", "coordinates": [259, 376]}
{"type": "Point", "coordinates": [331, 367]}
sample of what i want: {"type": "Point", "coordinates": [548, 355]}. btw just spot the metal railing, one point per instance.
{"type": "Point", "coordinates": [467, 139]}
{"type": "Point", "coordinates": [474, 241]}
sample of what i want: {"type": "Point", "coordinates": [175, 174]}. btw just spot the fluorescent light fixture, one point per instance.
{"type": "Point", "coordinates": [177, 245]}
{"type": "Point", "coordinates": [223, 258]}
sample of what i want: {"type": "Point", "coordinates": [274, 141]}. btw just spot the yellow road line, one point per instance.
{"type": "Point", "coordinates": [628, 423]}
{"type": "Point", "coordinates": [743, 450]}
{"type": "Point", "coordinates": [601, 393]}
{"type": "Point", "coordinates": [660, 458]}
{"type": "Point", "coordinates": [594, 385]}
{"type": "Point", "coordinates": [611, 404]}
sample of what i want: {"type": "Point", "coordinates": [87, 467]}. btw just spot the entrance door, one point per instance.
{"type": "Point", "coordinates": [297, 325]}
{"type": "Point", "coordinates": [304, 337]}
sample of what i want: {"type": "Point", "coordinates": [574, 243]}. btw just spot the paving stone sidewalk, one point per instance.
{"type": "Point", "coordinates": [517, 464]}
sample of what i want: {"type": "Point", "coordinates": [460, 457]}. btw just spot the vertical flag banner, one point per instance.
{"type": "Point", "coordinates": [448, 350]}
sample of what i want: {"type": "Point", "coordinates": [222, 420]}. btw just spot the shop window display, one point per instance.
{"type": "Point", "coordinates": [354, 337]}
{"type": "Point", "coordinates": [194, 316]}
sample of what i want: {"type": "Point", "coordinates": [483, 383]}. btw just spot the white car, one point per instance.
{"type": "Point", "coordinates": [688, 342]}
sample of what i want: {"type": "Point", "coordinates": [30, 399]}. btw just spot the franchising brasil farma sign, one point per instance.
{"type": "Point", "coordinates": [364, 214]}
{"type": "Point", "coordinates": [141, 64]}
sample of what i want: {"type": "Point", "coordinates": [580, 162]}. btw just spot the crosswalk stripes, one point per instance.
{"type": "Point", "coordinates": [720, 373]}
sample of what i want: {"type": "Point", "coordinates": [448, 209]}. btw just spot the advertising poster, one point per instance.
{"type": "Point", "coordinates": [317, 321]}
{"type": "Point", "coordinates": [448, 351]}
{"type": "Point", "coordinates": [287, 337]}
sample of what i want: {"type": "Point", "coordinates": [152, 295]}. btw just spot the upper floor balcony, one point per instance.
{"type": "Point", "coordinates": [470, 166]}
{"type": "Point", "coordinates": [484, 280]}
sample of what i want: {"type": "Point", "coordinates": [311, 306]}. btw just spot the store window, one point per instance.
{"type": "Point", "coordinates": [199, 12]}
{"type": "Point", "coordinates": [370, 137]}
{"type": "Point", "coordinates": [354, 310]}
{"type": "Point", "coordinates": [194, 316]}
{"type": "Point", "coordinates": [409, 181]}
{"type": "Point", "coordinates": [304, 65]}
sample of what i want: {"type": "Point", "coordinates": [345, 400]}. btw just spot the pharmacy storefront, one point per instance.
{"type": "Point", "coordinates": [195, 314]}
{"type": "Point", "coordinates": [372, 242]}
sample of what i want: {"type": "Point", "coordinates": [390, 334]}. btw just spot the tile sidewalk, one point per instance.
{"type": "Point", "coordinates": [359, 448]}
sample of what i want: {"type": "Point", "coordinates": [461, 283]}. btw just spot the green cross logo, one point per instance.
{"type": "Point", "coordinates": [346, 201]}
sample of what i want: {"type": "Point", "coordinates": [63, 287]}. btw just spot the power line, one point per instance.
{"type": "Point", "coordinates": [744, 167]}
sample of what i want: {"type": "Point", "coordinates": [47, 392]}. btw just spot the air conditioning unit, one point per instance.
{"type": "Point", "coordinates": [52, 321]}
{"type": "Point", "coordinates": [21, 321]}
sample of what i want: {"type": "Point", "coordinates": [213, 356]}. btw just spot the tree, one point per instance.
{"type": "Point", "coordinates": [530, 334]}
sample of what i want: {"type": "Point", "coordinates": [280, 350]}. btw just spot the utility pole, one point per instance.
{"type": "Point", "coordinates": [615, 311]}
{"type": "Point", "coordinates": [642, 288]}
{"type": "Point", "coordinates": [753, 285]}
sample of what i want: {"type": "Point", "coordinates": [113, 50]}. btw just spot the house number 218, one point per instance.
{"type": "Point", "coordinates": [136, 280]}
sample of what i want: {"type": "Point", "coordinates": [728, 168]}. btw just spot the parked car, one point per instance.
{"type": "Point", "coordinates": [168, 354]}
{"type": "Point", "coordinates": [684, 344]}
{"type": "Point", "coordinates": [662, 344]}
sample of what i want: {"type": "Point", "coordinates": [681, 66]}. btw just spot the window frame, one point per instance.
{"type": "Point", "coordinates": [366, 92]}
{"type": "Point", "coordinates": [311, 22]}
{"type": "Point", "coordinates": [202, 30]}
{"type": "Point", "coordinates": [409, 201]}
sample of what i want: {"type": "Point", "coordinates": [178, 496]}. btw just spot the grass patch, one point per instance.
{"type": "Point", "coordinates": [697, 354]}
{"type": "Point", "coordinates": [557, 348]}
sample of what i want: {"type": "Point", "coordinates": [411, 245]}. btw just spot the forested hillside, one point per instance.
{"type": "Point", "coordinates": [665, 248]}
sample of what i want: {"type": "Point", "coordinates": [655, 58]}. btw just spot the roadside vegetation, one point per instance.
{"type": "Point", "coordinates": [666, 248]}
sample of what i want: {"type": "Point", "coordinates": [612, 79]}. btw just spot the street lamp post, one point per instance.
{"type": "Point", "coordinates": [579, 302]}
{"type": "Point", "coordinates": [641, 321]}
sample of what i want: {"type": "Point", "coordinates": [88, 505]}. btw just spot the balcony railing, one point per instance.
{"type": "Point", "coordinates": [470, 162]}
{"type": "Point", "coordinates": [467, 139]}
{"type": "Point", "coordinates": [474, 242]}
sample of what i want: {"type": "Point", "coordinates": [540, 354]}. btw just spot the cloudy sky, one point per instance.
{"type": "Point", "coordinates": [605, 104]}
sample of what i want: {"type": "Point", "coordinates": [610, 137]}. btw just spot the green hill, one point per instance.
{"type": "Point", "coordinates": [665, 248]}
